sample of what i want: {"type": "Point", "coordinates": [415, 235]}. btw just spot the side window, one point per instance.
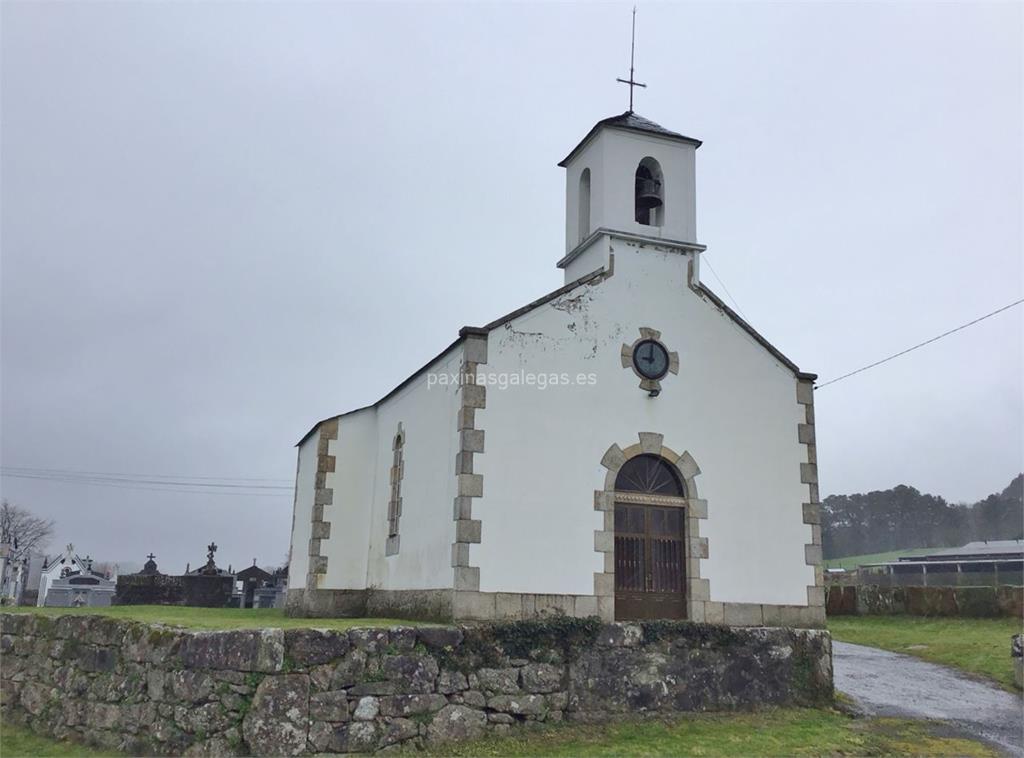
{"type": "Point", "coordinates": [584, 210]}
{"type": "Point", "coordinates": [395, 501]}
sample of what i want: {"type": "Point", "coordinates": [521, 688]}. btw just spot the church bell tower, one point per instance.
{"type": "Point", "coordinates": [628, 177]}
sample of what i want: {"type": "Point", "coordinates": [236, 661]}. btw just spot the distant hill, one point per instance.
{"type": "Point", "coordinates": [902, 518]}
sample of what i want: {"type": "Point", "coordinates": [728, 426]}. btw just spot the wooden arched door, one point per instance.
{"type": "Point", "coordinates": [650, 554]}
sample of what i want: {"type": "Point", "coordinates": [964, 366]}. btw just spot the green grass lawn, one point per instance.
{"type": "Point", "coordinates": [853, 561]}
{"type": "Point", "coordinates": [777, 732]}
{"type": "Point", "coordinates": [979, 646]}
{"type": "Point", "coordinates": [214, 618]}
{"type": "Point", "coordinates": [781, 732]}
{"type": "Point", "coordinates": [19, 742]}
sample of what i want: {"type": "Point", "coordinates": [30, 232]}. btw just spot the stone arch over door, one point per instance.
{"type": "Point", "coordinates": [695, 547]}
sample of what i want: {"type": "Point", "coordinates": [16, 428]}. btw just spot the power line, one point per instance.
{"type": "Point", "coordinates": [134, 486]}
{"type": "Point", "coordinates": [175, 477]}
{"type": "Point", "coordinates": [704, 257]}
{"type": "Point", "coordinates": [198, 485]}
{"type": "Point", "coordinates": [922, 344]}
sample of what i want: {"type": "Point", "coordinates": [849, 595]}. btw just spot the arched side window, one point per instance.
{"type": "Point", "coordinates": [584, 210]}
{"type": "Point", "coordinates": [648, 194]}
{"type": "Point", "coordinates": [395, 501]}
{"type": "Point", "coordinates": [649, 473]}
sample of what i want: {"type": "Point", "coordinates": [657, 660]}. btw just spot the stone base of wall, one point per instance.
{"type": "Point", "coordinates": [447, 605]}
{"type": "Point", "coordinates": [423, 605]}
{"type": "Point", "coordinates": [325, 603]}
{"type": "Point", "coordinates": [967, 602]}
{"type": "Point", "coordinates": [154, 690]}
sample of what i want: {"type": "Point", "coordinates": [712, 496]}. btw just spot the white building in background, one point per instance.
{"type": "Point", "coordinates": [625, 446]}
{"type": "Point", "coordinates": [68, 580]}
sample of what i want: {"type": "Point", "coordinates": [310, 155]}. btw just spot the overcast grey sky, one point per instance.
{"type": "Point", "coordinates": [223, 222]}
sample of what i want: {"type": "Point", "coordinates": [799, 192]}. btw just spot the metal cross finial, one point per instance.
{"type": "Point", "coordinates": [632, 51]}
{"type": "Point", "coordinates": [151, 557]}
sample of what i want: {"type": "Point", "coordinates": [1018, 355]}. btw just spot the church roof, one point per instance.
{"type": "Point", "coordinates": [633, 122]}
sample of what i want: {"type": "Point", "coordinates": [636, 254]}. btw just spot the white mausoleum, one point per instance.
{"type": "Point", "coordinates": [626, 446]}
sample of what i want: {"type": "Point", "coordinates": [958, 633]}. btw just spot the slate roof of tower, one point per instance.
{"type": "Point", "coordinates": [633, 122]}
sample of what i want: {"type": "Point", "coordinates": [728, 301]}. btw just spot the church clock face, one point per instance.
{"type": "Point", "coordinates": [650, 359]}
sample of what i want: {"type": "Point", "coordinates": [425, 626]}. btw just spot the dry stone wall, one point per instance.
{"type": "Point", "coordinates": [158, 690]}
{"type": "Point", "coordinates": [966, 602]}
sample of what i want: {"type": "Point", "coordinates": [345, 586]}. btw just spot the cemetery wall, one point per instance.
{"type": "Point", "coordinates": [163, 589]}
{"type": "Point", "coordinates": [157, 690]}
{"type": "Point", "coordinates": [968, 602]}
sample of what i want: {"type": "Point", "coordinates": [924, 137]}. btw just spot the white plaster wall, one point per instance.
{"type": "Point", "coordinates": [732, 406]}
{"type": "Point", "coordinates": [355, 452]}
{"type": "Point", "coordinates": [427, 529]}
{"type": "Point", "coordinates": [590, 157]}
{"type": "Point", "coordinates": [305, 481]}
{"type": "Point", "coordinates": [590, 259]}
{"type": "Point", "coordinates": [612, 157]}
{"type": "Point", "coordinates": [361, 483]}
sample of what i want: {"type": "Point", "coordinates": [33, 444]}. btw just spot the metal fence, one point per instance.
{"type": "Point", "coordinates": [977, 573]}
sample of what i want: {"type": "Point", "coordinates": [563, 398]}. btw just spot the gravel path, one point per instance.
{"type": "Point", "coordinates": [890, 684]}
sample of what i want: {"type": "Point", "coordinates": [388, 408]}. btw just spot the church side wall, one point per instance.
{"type": "Point", "coordinates": [426, 409]}
{"type": "Point", "coordinates": [298, 565]}
{"type": "Point", "coordinates": [733, 407]}
{"type": "Point", "coordinates": [351, 473]}
{"type": "Point", "coordinates": [353, 490]}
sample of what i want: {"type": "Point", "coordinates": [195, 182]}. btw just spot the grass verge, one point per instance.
{"type": "Point", "coordinates": [978, 646]}
{"type": "Point", "coordinates": [19, 742]}
{"type": "Point", "coordinates": [776, 732]}
{"type": "Point", "coordinates": [215, 618]}
{"type": "Point", "coordinates": [781, 732]}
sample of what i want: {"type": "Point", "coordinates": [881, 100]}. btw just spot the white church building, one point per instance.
{"type": "Point", "coordinates": [626, 446]}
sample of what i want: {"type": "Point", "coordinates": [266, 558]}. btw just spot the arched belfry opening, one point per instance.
{"type": "Point", "coordinates": [650, 533]}
{"type": "Point", "coordinates": [649, 198]}
{"type": "Point", "coordinates": [584, 209]}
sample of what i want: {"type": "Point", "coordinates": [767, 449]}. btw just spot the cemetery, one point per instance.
{"type": "Point", "coordinates": [205, 587]}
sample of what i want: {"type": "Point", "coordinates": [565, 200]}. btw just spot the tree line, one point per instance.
{"type": "Point", "coordinates": [901, 518]}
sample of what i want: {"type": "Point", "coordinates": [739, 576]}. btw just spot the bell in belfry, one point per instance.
{"type": "Point", "coordinates": [648, 193]}
{"type": "Point", "coordinates": [648, 189]}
